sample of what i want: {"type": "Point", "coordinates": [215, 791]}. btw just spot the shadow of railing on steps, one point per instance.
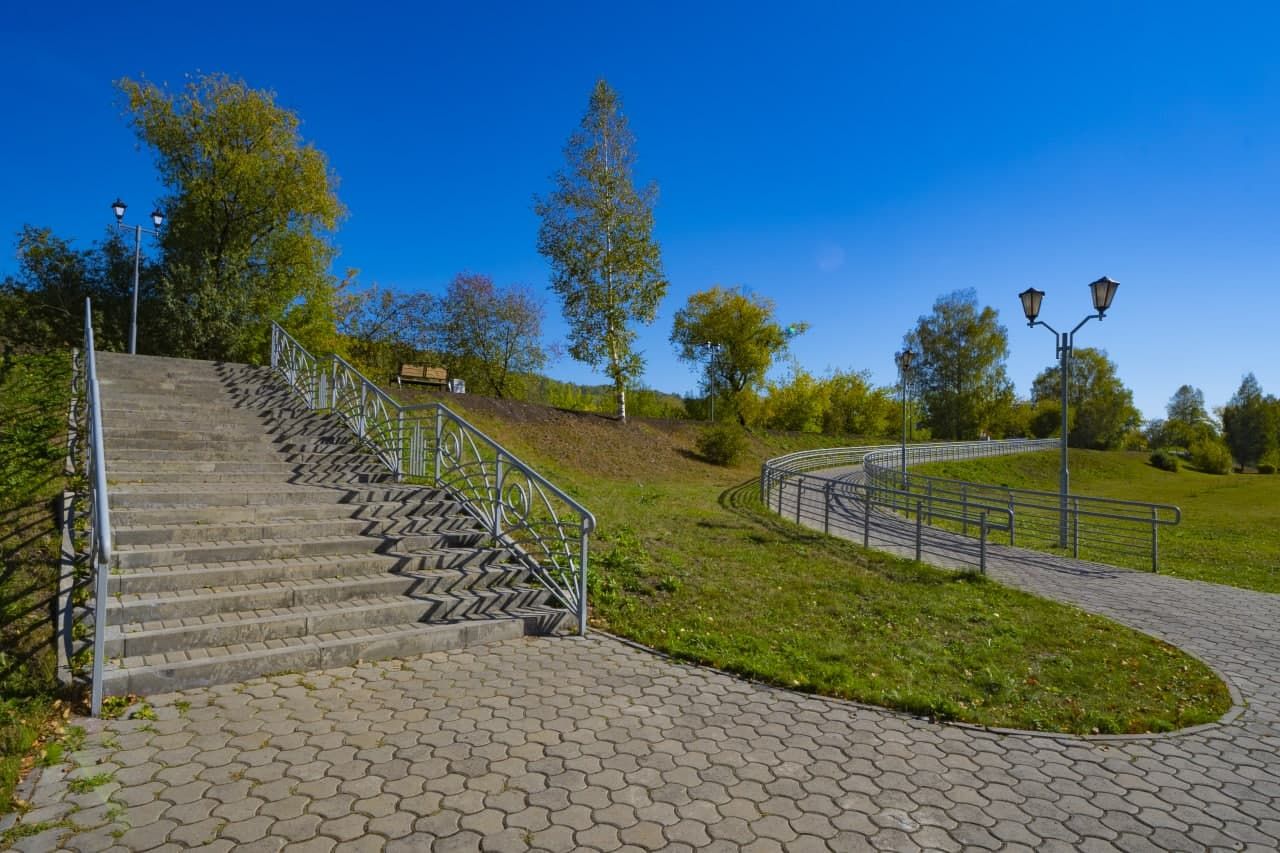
{"type": "Point", "coordinates": [519, 509]}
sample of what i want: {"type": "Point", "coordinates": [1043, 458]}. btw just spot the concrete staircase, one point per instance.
{"type": "Point", "coordinates": [254, 536]}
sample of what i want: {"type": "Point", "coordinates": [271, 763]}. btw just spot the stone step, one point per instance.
{"type": "Point", "coordinates": [254, 535]}
{"type": "Point", "coordinates": [120, 454]}
{"type": "Point", "coordinates": [177, 579]}
{"type": "Point", "coordinates": [447, 513]}
{"type": "Point", "coordinates": [163, 496]}
{"type": "Point", "coordinates": [342, 603]}
{"type": "Point", "coordinates": [202, 667]}
{"type": "Point", "coordinates": [177, 554]}
{"type": "Point", "coordinates": [335, 476]}
{"type": "Point", "coordinates": [280, 467]}
{"type": "Point", "coordinates": [413, 534]}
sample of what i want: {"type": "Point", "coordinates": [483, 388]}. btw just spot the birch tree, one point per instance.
{"type": "Point", "coordinates": [597, 234]}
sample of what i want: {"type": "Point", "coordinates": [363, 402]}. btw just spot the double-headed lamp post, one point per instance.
{"type": "Point", "coordinates": [1103, 290]}
{"type": "Point", "coordinates": [903, 360]}
{"type": "Point", "coordinates": [712, 351]}
{"type": "Point", "coordinates": [157, 219]}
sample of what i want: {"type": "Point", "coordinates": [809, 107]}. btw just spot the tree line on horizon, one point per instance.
{"type": "Point", "coordinates": [252, 210]}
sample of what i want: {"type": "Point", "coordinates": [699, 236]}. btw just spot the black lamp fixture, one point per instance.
{"type": "Point", "coordinates": [157, 218]}
{"type": "Point", "coordinates": [118, 208]}
{"type": "Point", "coordinates": [1031, 299]}
{"type": "Point", "coordinates": [1104, 290]}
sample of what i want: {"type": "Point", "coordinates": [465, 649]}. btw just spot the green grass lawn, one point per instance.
{"type": "Point", "coordinates": [688, 562]}
{"type": "Point", "coordinates": [34, 393]}
{"type": "Point", "coordinates": [1228, 532]}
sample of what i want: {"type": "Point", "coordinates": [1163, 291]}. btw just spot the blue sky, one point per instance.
{"type": "Point", "coordinates": [853, 162]}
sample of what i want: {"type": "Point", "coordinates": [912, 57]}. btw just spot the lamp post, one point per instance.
{"type": "Point", "coordinates": [1103, 291]}
{"type": "Point", "coordinates": [157, 218]}
{"type": "Point", "coordinates": [903, 360]}
{"type": "Point", "coordinates": [712, 351]}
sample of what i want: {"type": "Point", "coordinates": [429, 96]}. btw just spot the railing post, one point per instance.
{"type": "Point", "coordinates": [1075, 528]}
{"type": "Point", "coordinates": [333, 389]}
{"type": "Point", "coordinates": [400, 450]}
{"type": "Point", "coordinates": [866, 516]}
{"type": "Point", "coordinates": [582, 584]}
{"type": "Point", "coordinates": [799, 496]}
{"type": "Point", "coordinates": [826, 507]}
{"type": "Point", "coordinates": [1155, 540]}
{"type": "Point", "coordinates": [439, 449]}
{"type": "Point", "coordinates": [361, 421]}
{"type": "Point", "coordinates": [919, 528]}
{"type": "Point", "coordinates": [1011, 508]}
{"type": "Point", "coordinates": [498, 478]}
{"type": "Point", "coordinates": [982, 543]}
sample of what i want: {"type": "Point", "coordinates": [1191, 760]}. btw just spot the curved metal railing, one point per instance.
{"type": "Point", "coordinates": [1113, 530]}
{"type": "Point", "coordinates": [100, 535]}
{"type": "Point", "coordinates": [521, 510]}
{"type": "Point", "coordinates": [1110, 530]}
{"type": "Point", "coordinates": [809, 488]}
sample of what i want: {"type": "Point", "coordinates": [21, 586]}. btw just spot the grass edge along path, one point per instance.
{"type": "Point", "coordinates": [34, 396]}
{"type": "Point", "coordinates": [688, 563]}
{"type": "Point", "coordinates": [1227, 535]}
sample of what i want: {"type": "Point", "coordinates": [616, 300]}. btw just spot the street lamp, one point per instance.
{"type": "Point", "coordinates": [157, 218]}
{"type": "Point", "coordinates": [903, 360]}
{"type": "Point", "coordinates": [712, 351]}
{"type": "Point", "coordinates": [1103, 291]}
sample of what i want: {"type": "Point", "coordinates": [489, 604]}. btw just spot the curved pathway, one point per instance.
{"type": "Point", "coordinates": [596, 745]}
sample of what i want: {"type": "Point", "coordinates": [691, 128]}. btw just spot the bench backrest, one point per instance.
{"type": "Point", "coordinates": [420, 371]}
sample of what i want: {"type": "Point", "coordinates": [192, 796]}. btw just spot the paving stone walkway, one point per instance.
{"type": "Point", "coordinates": [570, 744]}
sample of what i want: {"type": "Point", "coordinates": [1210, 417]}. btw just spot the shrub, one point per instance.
{"type": "Point", "coordinates": [1164, 460]}
{"type": "Point", "coordinates": [1211, 457]}
{"type": "Point", "coordinates": [1266, 468]}
{"type": "Point", "coordinates": [723, 444]}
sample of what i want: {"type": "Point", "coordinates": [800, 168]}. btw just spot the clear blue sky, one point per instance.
{"type": "Point", "coordinates": [851, 161]}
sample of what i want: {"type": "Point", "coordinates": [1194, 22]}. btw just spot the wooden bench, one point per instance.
{"type": "Point", "coordinates": [418, 374]}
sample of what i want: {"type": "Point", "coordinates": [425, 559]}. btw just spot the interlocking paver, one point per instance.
{"type": "Point", "coordinates": [568, 744]}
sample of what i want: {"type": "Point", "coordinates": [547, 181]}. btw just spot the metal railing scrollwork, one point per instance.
{"type": "Point", "coordinates": [520, 509]}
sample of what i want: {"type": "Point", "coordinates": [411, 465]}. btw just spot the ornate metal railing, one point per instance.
{"type": "Point", "coordinates": [100, 536]}
{"type": "Point", "coordinates": [1122, 532]}
{"type": "Point", "coordinates": [520, 509]}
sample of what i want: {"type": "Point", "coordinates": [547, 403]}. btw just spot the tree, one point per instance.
{"type": "Point", "coordinates": [42, 307]}
{"type": "Point", "coordinates": [488, 334]}
{"type": "Point", "coordinates": [597, 233]}
{"type": "Point", "coordinates": [854, 407]}
{"type": "Point", "coordinates": [380, 328]}
{"type": "Point", "coordinates": [798, 404]}
{"type": "Point", "coordinates": [1187, 421]}
{"type": "Point", "coordinates": [959, 371]}
{"type": "Point", "coordinates": [734, 335]}
{"type": "Point", "coordinates": [1251, 422]}
{"type": "Point", "coordinates": [1101, 410]}
{"type": "Point", "coordinates": [249, 209]}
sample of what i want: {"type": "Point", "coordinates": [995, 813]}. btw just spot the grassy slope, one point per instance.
{"type": "Point", "coordinates": [33, 406]}
{"type": "Point", "coordinates": [1228, 532]}
{"type": "Point", "coordinates": [686, 561]}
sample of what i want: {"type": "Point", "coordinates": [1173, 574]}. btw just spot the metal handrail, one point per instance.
{"type": "Point", "coordinates": [792, 475]}
{"type": "Point", "coordinates": [874, 465]}
{"type": "Point", "coordinates": [100, 537]}
{"type": "Point", "coordinates": [521, 510]}
{"type": "Point", "coordinates": [1113, 527]}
